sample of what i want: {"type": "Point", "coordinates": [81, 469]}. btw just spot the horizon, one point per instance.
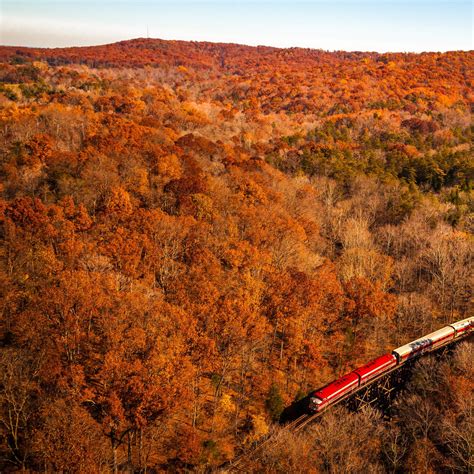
{"type": "Point", "coordinates": [368, 26]}
{"type": "Point", "coordinates": [98, 45]}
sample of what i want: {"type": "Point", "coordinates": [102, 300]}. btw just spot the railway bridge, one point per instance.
{"type": "Point", "coordinates": [376, 383]}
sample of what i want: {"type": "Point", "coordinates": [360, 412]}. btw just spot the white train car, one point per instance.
{"type": "Point", "coordinates": [428, 342]}
{"type": "Point", "coordinates": [463, 327]}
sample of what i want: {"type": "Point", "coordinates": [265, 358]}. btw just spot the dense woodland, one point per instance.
{"type": "Point", "coordinates": [194, 235]}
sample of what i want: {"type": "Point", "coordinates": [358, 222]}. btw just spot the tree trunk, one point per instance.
{"type": "Point", "coordinates": [114, 454]}
{"type": "Point", "coordinates": [140, 447]}
{"type": "Point", "coordinates": [129, 452]}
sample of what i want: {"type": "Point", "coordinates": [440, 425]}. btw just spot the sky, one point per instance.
{"type": "Point", "coordinates": [351, 25]}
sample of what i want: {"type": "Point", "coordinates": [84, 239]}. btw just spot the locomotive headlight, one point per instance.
{"type": "Point", "coordinates": [314, 403]}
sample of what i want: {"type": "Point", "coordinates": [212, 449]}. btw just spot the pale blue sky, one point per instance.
{"type": "Point", "coordinates": [367, 25]}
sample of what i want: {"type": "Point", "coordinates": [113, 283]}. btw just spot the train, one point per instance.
{"type": "Point", "coordinates": [323, 397]}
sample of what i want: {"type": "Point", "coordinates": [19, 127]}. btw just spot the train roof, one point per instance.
{"type": "Point", "coordinates": [424, 341]}
{"type": "Point", "coordinates": [335, 388]}
{"type": "Point", "coordinates": [383, 362]}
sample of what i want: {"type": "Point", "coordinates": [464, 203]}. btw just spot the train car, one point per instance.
{"type": "Point", "coordinates": [428, 342]}
{"type": "Point", "coordinates": [375, 368]}
{"type": "Point", "coordinates": [463, 327]}
{"type": "Point", "coordinates": [332, 392]}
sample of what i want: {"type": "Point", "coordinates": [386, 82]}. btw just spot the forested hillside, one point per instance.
{"type": "Point", "coordinates": [193, 235]}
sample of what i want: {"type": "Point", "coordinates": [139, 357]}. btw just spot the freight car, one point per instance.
{"type": "Point", "coordinates": [329, 394]}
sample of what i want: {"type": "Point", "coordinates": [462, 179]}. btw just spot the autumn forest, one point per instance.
{"type": "Point", "coordinates": [195, 235]}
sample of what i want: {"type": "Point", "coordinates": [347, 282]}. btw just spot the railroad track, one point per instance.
{"type": "Point", "coordinates": [239, 463]}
